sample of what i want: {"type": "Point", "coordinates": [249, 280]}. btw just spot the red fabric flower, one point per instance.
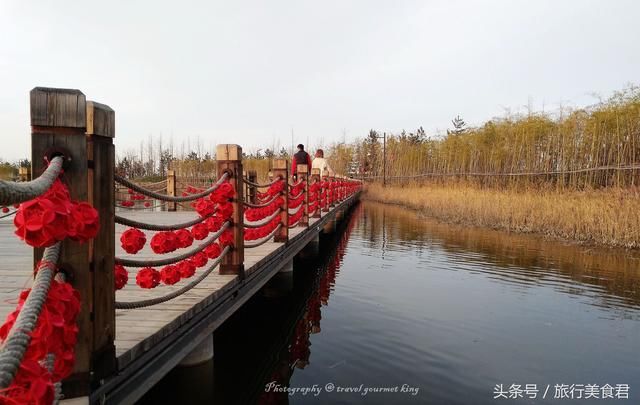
{"type": "Point", "coordinates": [169, 275]}
{"type": "Point", "coordinates": [147, 204]}
{"type": "Point", "coordinates": [226, 239]}
{"type": "Point", "coordinates": [223, 193]}
{"type": "Point", "coordinates": [214, 223]}
{"type": "Point", "coordinates": [186, 269]}
{"type": "Point", "coordinates": [199, 231]}
{"type": "Point", "coordinates": [225, 211]}
{"type": "Point", "coordinates": [184, 238]}
{"type": "Point", "coordinates": [83, 222]}
{"type": "Point", "coordinates": [204, 207]}
{"type": "Point", "coordinates": [121, 276]}
{"type": "Point", "coordinates": [132, 240]}
{"type": "Point", "coordinates": [164, 242]}
{"type": "Point", "coordinates": [213, 251]}
{"type": "Point", "coordinates": [38, 223]}
{"type": "Point", "coordinates": [200, 259]}
{"type": "Point", "coordinates": [5, 209]}
{"type": "Point", "coordinates": [148, 277]}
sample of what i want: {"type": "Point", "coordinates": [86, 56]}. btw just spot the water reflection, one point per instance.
{"type": "Point", "coordinates": [396, 299]}
{"type": "Point", "coordinates": [610, 276]}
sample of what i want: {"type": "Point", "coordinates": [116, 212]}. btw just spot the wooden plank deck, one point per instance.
{"type": "Point", "coordinates": [151, 341]}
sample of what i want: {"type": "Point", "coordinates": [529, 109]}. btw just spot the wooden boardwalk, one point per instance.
{"type": "Point", "coordinates": [151, 341]}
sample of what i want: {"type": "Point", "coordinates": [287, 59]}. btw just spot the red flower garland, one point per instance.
{"type": "Point", "coordinates": [213, 251]}
{"type": "Point", "coordinates": [169, 275]}
{"type": "Point", "coordinates": [184, 238]}
{"type": "Point", "coordinates": [164, 242]}
{"type": "Point", "coordinates": [55, 333]}
{"type": "Point", "coordinates": [133, 240]}
{"type": "Point", "coordinates": [186, 268]}
{"type": "Point", "coordinates": [120, 276]}
{"type": "Point", "coordinates": [199, 231]}
{"type": "Point", "coordinates": [52, 217]}
{"type": "Point", "coordinates": [148, 277]}
{"type": "Point", "coordinates": [214, 223]}
{"type": "Point", "coordinates": [200, 259]}
{"type": "Point", "coordinates": [204, 207]}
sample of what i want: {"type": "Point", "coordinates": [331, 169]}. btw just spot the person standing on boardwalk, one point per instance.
{"type": "Point", "coordinates": [300, 158]}
{"type": "Point", "coordinates": [319, 162]}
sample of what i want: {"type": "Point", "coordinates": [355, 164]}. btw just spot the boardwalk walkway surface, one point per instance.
{"type": "Point", "coordinates": [150, 341]}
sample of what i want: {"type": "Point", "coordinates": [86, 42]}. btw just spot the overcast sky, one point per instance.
{"type": "Point", "coordinates": [250, 72]}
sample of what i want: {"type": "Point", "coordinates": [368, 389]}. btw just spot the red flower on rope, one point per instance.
{"type": "Point", "coordinates": [200, 259]}
{"type": "Point", "coordinates": [147, 204]}
{"type": "Point", "coordinates": [204, 207]}
{"type": "Point", "coordinates": [213, 251]}
{"type": "Point", "coordinates": [132, 240]}
{"type": "Point", "coordinates": [5, 209]}
{"type": "Point", "coordinates": [83, 222]}
{"type": "Point", "coordinates": [223, 193]}
{"type": "Point", "coordinates": [199, 231]}
{"type": "Point", "coordinates": [184, 238]}
{"type": "Point", "coordinates": [169, 275]}
{"type": "Point", "coordinates": [121, 276]}
{"type": "Point", "coordinates": [186, 269]}
{"type": "Point", "coordinates": [226, 238]}
{"type": "Point", "coordinates": [214, 223]}
{"type": "Point", "coordinates": [164, 242]}
{"type": "Point", "coordinates": [55, 333]}
{"type": "Point", "coordinates": [225, 211]}
{"type": "Point", "coordinates": [148, 277]}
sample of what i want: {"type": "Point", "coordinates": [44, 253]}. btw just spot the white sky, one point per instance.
{"type": "Point", "coordinates": [248, 72]}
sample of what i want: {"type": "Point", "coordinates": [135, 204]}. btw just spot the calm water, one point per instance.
{"type": "Point", "coordinates": [397, 300]}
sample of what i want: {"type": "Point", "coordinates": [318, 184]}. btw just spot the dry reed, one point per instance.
{"type": "Point", "coordinates": [607, 217]}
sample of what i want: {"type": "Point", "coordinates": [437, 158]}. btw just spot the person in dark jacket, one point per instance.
{"type": "Point", "coordinates": [300, 158]}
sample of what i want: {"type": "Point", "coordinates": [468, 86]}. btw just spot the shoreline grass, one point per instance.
{"type": "Point", "coordinates": [609, 217]}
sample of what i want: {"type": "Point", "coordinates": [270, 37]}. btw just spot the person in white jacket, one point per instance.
{"type": "Point", "coordinates": [319, 162]}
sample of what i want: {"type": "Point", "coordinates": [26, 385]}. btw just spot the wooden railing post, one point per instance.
{"type": "Point", "coordinates": [315, 177]}
{"type": "Point", "coordinates": [58, 126]}
{"type": "Point", "coordinates": [253, 191]}
{"type": "Point", "coordinates": [281, 170]}
{"type": "Point", "coordinates": [101, 158]}
{"type": "Point", "coordinates": [171, 189]}
{"type": "Point", "coordinates": [24, 173]}
{"type": "Point", "coordinates": [229, 160]}
{"type": "Point", "coordinates": [303, 175]}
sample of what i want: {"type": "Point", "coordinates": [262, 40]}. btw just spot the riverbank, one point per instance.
{"type": "Point", "coordinates": [604, 217]}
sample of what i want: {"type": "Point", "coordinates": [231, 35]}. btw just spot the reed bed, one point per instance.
{"type": "Point", "coordinates": [606, 217]}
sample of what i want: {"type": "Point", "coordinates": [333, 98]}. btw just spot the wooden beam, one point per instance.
{"type": "Point", "coordinates": [101, 194]}
{"type": "Point", "coordinates": [58, 126]}
{"type": "Point", "coordinates": [280, 170]}
{"type": "Point", "coordinates": [171, 189]}
{"type": "Point", "coordinates": [229, 160]}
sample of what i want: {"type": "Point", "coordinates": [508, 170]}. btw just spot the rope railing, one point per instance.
{"type": "Point", "coordinates": [174, 294]}
{"type": "Point", "coordinates": [295, 210]}
{"type": "Point", "coordinates": [15, 346]}
{"type": "Point", "coordinates": [296, 184]}
{"type": "Point", "coordinates": [14, 193]}
{"type": "Point", "coordinates": [160, 227]}
{"type": "Point", "coordinates": [259, 242]}
{"type": "Point", "coordinates": [169, 198]}
{"type": "Point", "coordinates": [251, 183]}
{"type": "Point", "coordinates": [8, 214]}
{"type": "Point", "coordinates": [263, 221]}
{"type": "Point", "coordinates": [175, 259]}
{"type": "Point", "coordinates": [263, 205]}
